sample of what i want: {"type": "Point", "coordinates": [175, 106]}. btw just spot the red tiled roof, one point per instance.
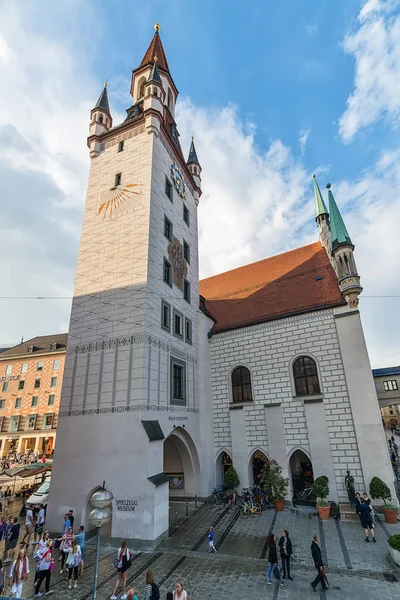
{"type": "Point", "coordinates": [273, 288]}
{"type": "Point", "coordinates": [40, 345]}
{"type": "Point", "coordinates": [155, 49]}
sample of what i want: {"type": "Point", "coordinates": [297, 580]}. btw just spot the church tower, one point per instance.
{"type": "Point", "coordinates": [130, 379]}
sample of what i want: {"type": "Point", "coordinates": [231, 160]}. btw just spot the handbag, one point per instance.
{"type": "Point", "coordinates": [277, 572]}
{"type": "Point", "coordinates": [51, 567]}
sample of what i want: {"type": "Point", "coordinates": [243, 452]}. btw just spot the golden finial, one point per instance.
{"type": "Point", "coordinates": [192, 138]}
{"type": "Point", "coordinates": [105, 84]}
{"type": "Point", "coordinates": [157, 28]}
{"type": "Point", "coordinates": [155, 59]}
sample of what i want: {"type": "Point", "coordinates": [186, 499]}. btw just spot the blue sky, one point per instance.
{"type": "Point", "coordinates": [273, 92]}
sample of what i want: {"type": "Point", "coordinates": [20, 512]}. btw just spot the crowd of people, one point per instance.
{"type": "Point", "coordinates": [15, 459]}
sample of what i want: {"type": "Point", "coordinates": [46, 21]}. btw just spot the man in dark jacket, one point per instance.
{"type": "Point", "coordinates": [319, 565]}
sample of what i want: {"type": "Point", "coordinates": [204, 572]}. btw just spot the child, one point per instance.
{"type": "Point", "coordinates": [211, 547]}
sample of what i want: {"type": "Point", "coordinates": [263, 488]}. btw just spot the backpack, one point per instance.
{"type": "Point", "coordinates": [126, 559]}
{"type": "Point", "coordinates": [155, 592]}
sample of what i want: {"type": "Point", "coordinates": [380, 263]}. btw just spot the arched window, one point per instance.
{"type": "Point", "coordinates": [101, 118]}
{"type": "Point", "coordinates": [169, 101]}
{"type": "Point", "coordinates": [241, 385]}
{"type": "Point", "coordinates": [141, 84]}
{"type": "Point", "coordinates": [305, 376]}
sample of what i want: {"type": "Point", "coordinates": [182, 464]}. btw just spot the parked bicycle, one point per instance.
{"type": "Point", "coordinates": [249, 508]}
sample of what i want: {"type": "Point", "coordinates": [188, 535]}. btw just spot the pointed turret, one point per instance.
{"type": "Point", "coordinates": [322, 218]}
{"type": "Point", "coordinates": [154, 74]}
{"type": "Point", "coordinates": [343, 255]}
{"type": "Point", "coordinates": [100, 122]}
{"type": "Point", "coordinates": [155, 49]}
{"type": "Point", "coordinates": [194, 165]}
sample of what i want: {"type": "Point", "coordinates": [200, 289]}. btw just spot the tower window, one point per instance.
{"type": "Point", "coordinates": [178, 381]}
{"type": "Point", "coordinates": [121, 146]}
{"type": "Point", "coordinates": [118, 179]}
{"type": "Point", "coordinates": [186, 290]}
{"type": "Point", "coordinates": [186, 251]}
{"type": "Point", "coordinates": [167, 272]}
{"type": "Point", "coordinates": [305, 376]}
{"type": "Point", "coordinates": [186, 214]}
{"type": "Point", "coordinates": [165, 316]}
{"type": "Point", "coordinates": [168, 188]}
{"type": "Point", "coordinates": [167, 228]}
{"type": "Point", "coordinates": [178, 324]}
{"type": "Point", "coordinates": [188, 331]}
{"type": "Point", "coordinates": [100, 118]}
{"type": "Point", "coordinates": [241, 385]}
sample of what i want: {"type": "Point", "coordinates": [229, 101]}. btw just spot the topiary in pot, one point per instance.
{"type": "Point", "coordinates": [274, 483]}
{"type": "Point", "coordinates": [379, 490]}
{"type": "Point", "coordinates": [231, 479]}
{"type": "Point", "coordinates": [321, 492]}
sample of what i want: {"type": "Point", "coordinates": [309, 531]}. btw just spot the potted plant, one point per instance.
{"type": "Point", "coordinates": [321, 492]}
{"type": "Point", "coordinates": [394, 548]}
{"type": "Point", "coordinates": [379, 490]}
{"type": "Point", "coordinates": [275, 484]}
{"type": "Point", "coordinates": [231, 481]}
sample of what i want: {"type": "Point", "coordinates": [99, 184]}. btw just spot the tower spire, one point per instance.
{"type": "Point", "coordinates": [339, 233]}
{"type": "Point", "coordinates": [102, 102]}
{"type": "Point", "coordinates": [320, 207]}
{"type": "Point", "coordinates": [322, 218]}
{"type": "Point", "coordinates": [192, 154]}
{"type": "Point", "coordinates": [155, 49]}
{"type": "Point", "coordinates": [194, 165]}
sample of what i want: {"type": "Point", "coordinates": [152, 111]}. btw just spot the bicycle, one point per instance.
{"type": "Point", "coordinates": [249, 508]}
{"type": "Point", "coordinates": [305, 495]}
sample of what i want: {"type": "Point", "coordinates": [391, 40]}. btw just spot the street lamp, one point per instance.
{"type": "Point", "coordinates": [100, 515]}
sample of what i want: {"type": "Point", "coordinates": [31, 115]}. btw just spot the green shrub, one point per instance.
{"type": "Point", "coordinates": [321, 490]}
{"type": "Point", "coordinates": [379, 490]}
{"type": "Point", "coordinates": [274, 483]}
{"type": "Point", "coordinates": [394, 541]}
{"type": "Point", "coordinates": [231, 479]}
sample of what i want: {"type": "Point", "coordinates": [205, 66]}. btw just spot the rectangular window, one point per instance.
{"type": "Point", "coordinates": [5, 387]}
{"type": "Point", "coordinates": [24, 368]}
{"type": "Point", "coordinates": [14, 423]}
{"type": "Point", "coordinates": [39, 366]}
{"type": "Point", "coordinates": [37, 384]}
{"type": "Point", "coordinates": [1, 423]}
{"type": "Point", "coordinates": [186, 252]}
{"type": "Point", "coordinates": [390, 386]}
{"type": "Point", "coordinates": [48, 421]}
{"type": "Point", "coordinates": [168, 189]}
{"type": "Point", "coordinates": [35, 400]}
{"type": "Point", "coordinates": [178, 381]}
{"type": "Point", "coordinates": [165, 316]}
{"type": "Point", "coordinates": [18, 402]}
{"type": "Point", "coordinates": [186, 290]}
{"type": "Point", "coordinates": [118, 179]}
{"type": "Point", "coordinates": [53, 382]}
{"type": "Point", "coordinates": [167, 272]}
{"type": "Point", "coordinates": [56, 364]}
{"type": "Point", "coordinates": [188, 331]}
{"type": "Point", "coordinates": [186, 214]}
{"type": "Point", "coordinates": [31, 422]}
{"type": "Point", "coordinates": [21, 384]}
{"type": "Point", "coordinates": [9, 369]}
{"type": "Point", "coordinates": [52, 399]}
{"type": "Point", "coordinates": [121, 146]}
{"type": "Point", "coordinates": [2, 404]}
{"type": "Point", "coordinates": [167, 228]}
{"type": "Point", "coordinates": [178, 324]}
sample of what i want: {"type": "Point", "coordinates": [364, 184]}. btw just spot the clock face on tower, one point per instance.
{"type": "Point", "coordinates": [178, 181]}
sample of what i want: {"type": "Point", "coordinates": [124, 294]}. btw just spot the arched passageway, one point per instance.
{"type": "Point", "coordinates": [302, 477]}
{"type": "Point", "coordinates": [257, 462]}
{"type": "Point", "coordinates": [222, 464]}
{"type": "Point", "coordinates": [181, 464]}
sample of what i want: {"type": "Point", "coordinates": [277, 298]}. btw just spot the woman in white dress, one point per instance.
{"type": "Point", "coordinates": [19, 573]}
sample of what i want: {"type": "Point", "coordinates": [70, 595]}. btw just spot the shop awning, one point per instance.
{"type": "Point", "coordinates": [27, 471]}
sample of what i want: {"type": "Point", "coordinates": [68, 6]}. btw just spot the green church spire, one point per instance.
{"type": "Point", "coordinates": [320, 208]}
{"type": "Point", "coordinates": [339, 233]}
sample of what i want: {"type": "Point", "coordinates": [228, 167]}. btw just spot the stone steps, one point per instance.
{"type": "Point", "coordinates": [348, 514]}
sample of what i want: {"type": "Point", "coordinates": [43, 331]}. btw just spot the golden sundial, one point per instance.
{"type": "Point", "coordinates": [118, 200]}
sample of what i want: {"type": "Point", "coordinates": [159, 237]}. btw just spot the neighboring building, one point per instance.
{"type": "Point", "coordinates": [387, 383]}
{"type": "Point", "coordinates": [161, 394]}
{"type": "Point", "coordinates": [30, 384]}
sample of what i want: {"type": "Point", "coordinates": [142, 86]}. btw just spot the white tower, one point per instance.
{"type": "Point", "coordinates": [130, 379]}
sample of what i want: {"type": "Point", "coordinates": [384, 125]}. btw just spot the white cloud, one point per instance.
{"type": "Point", "coordinates": [304, 135]}
{"type": "Point", "coordinates": [312, 29]}
{"type": "Point", "coordinates": [375, 46]}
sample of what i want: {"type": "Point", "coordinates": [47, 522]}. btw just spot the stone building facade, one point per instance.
{"type": "Point", "coordinates": [31, 376]}
{"type": "Point", "coordinates": [387, 383]}
{"type": "Point", "coordinates": [168, 379]}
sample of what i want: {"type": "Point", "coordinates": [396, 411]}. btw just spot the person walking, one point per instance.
{"type": "Point", "coordinates": [74, 560]}
{"type": "Point", "coordinates": [152, 592]}
{"type": "Point", "coordinates": [211, 547]}
{"type": "Point", "coordinates": [45, 566]}
{"type": "Point", "coordinates": [28, 526]}
{"type": "Point", "coordinates": [19, 573]}
{"type": "Point", "coordinates": [122, 563]}
{"type": "Point", "coordinates": [12, 540]}
{"type": "Point", "coordinates": [319, 565]}
{"type": "Point", "coordinates": [65, 546]}
{"type": "Point", "coordinates": [179, 592]}
{"type": "Point", "coordinates": [273, 559]}
{"type": "Point", "coordinates": [286, 550]}
{"type": "Point", "coordinates": [3, 530]}
{"type": "Point", "coordinates": [39, 524]}
{"type": "Point", "coordinates": [367, 521]}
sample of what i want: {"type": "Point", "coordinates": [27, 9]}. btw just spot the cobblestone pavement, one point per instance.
{"type": "Point", "coordinates": [355, 569]}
